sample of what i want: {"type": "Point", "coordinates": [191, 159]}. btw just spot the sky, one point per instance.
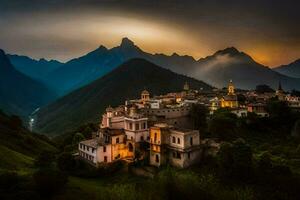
{"type": "Point", "coordinates": [267, 30]}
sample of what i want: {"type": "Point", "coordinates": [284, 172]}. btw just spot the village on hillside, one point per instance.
{"type": "Point", "coordinates": [160, 130]}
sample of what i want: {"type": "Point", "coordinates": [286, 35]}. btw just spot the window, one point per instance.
{"type": "Point", "coordinates": [117, 140]}
{"type": "Point", "coordinates": [130, 126]}
{"type": "Point", "coordinates": [142, 138]}
{"type": "Point", "coordinates": [104, 149]}
{"type": "Point", "coordinates": [144, 125]}
{"type": "Point", "coordinates": [178, 140]}
{"type": "Point", "coordinates": [174, 154]}
{"type": "Point", "coordinates": [87, 148]}
{"type": "Point", "coordinates": [93, 150]}
{"type": "Point", "coordinates": [191, 141]}
{"type": "Point", "coordinates": [137, 126]}
{"type": "Point", "coordinates": [189, 155]}
{"type": "Point", "coordinates": [174, 139]}
{"type": "Point", "coordinates": [155, 137]}
{"type": "Point", "coordinates": [105, 158]}
{"type": "Point", "coordinates": [156, 158]}
{"type": "Point", "coordinates": [178, 155]}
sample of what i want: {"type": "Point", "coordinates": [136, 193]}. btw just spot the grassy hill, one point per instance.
{"type": "Point", "coordinates": [125, 82]}
{"type": "Point", "coordinates": [18, 146]}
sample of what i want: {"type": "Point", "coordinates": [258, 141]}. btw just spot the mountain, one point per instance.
{"type": "Point", "coordinates": [18, 146]}
{"type": "Point", "coordinates": [125, 82]}
{"type": "Point", "coordinates": [36, 69]}
{"type": "Point", "coordinates": [19, 94]}
{"type": "Point", "coordinates": [216, 69]}
{"type": "Point", "coordinates": [292, 69]}
{"type": "Point", "coordinates": [82, 71]}
{"type": "Point", "coordinates": [241, 68]}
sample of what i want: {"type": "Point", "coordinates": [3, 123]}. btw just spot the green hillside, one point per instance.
{"type": "Point", "coordinates": [125, 82]}
{"type": "Point", "coordinates": [18, 146]}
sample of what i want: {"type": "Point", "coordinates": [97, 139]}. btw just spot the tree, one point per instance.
{"type": "Point", "coordinates": [235, 160]}
{"type": "Point", "coordinates": [78, 137]}
{"type": "Point", "coordinates": [241, 98]}
{"type": "Point", "coordinates": [199, 114]}
{"type": "Point", "coordinates": [45, 159]}
{"type": "Point", "coordinates": [65, 161]}
{"type": "Point", "coordinates": [264, 164]}
{"type": "Point", "coordinates": [281, 116]}
{"type": "Point", "coordinates": [15, 122]}
{"type": "Point", "coordinates": [264, 89]}
{"type": "Point", "coordinates": [242, 157]}
{"type": "Point", "coordinates": [49, 182]}
{"type": "Point", "coordinates": [295, 93]}
{"type": "Point", "coordinates": [223, 124]}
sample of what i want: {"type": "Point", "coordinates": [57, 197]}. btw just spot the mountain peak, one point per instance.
{"type": "Point", "coordinates": [229, 50]}
{"type": "Point", "coordinates": [2, 53]}
{"type": "Point", "coordinates": [126, 42]}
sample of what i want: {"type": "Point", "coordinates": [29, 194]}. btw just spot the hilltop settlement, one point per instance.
{"type": "Point", "coordinates": [159, 128]}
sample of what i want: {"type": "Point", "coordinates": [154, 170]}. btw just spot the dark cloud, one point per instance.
{"type": "Point", "coordinates": [261, 24]}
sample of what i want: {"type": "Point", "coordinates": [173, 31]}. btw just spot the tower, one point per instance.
{"type": "Point", "coordinates": [280, 93]}
{"type": "Point", "coordinates": [186, 86]}
{"type": "Point", "coordinates": [230, 88]}
{"type": "Point", "coordinates": [145, 96]}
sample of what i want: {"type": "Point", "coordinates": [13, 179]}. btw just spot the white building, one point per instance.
{"type": "Point", "coordinates": [178, 147]}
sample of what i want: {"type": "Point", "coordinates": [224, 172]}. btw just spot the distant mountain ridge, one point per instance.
{"type": "Point", "coordinates": [292, 69]}
{"type": "Point", "coordinates": [216, 69]}
{"type": "Point", "coordinates": [36, 69]}
{"type": "Point", "coordinates": [125, 82]}
{"type": "Point", "coordinates": [20, 94]}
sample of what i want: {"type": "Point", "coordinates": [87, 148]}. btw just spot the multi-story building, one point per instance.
{"type": "Point", "coordinates": [177, 147]}
{"type": "Point", "coordinates": [293, 102]}
{"type": "Point", "coordinates": [258, 108]}
{"type": "Point", "coordinates": [113, 118]}
{"type": "Point", "coordinates": [123, 129]}
{"type": "Point", "coordinates": [110, 145]}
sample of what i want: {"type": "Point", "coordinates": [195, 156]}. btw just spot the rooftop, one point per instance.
{"type": "Point", "coordinates": [113, 132]}
{"type": "Point", "coordinates": [90, 143]}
